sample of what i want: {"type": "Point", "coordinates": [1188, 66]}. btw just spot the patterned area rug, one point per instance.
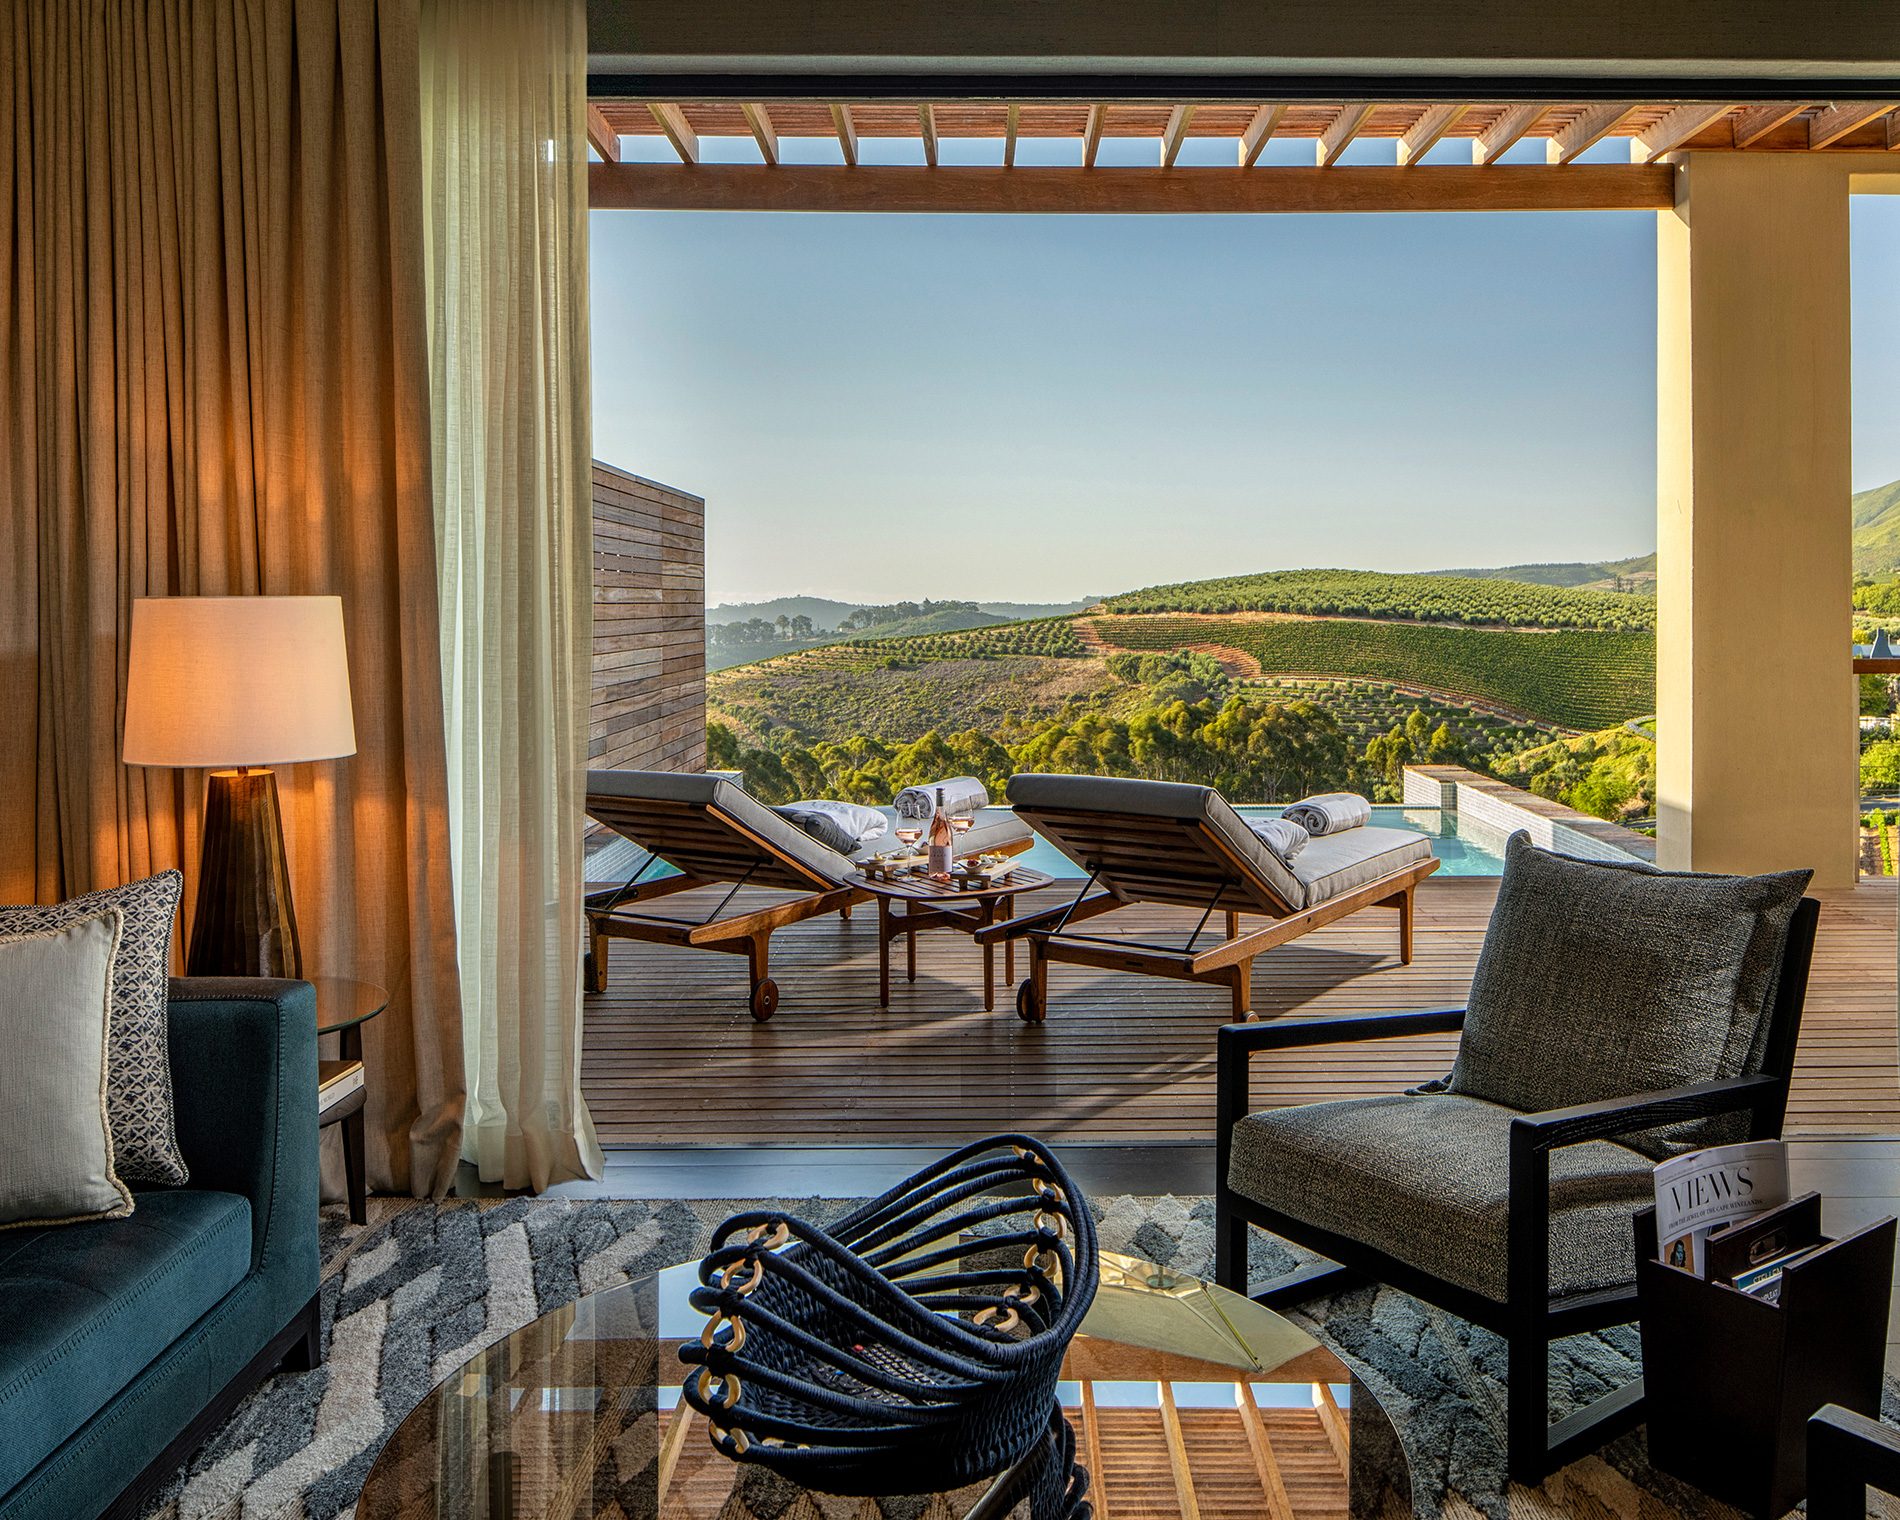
{"type": "Point", "coordinates": [420, 1289]}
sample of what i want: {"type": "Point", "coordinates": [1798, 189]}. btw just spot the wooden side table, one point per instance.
{"type": "Point", "coordinates": [931, 904]}
{"type": "Point", "coordinates": [344, 1006]}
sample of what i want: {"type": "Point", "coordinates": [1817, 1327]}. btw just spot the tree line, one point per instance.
{"type": "Point", "coordinates": [1188, 725]}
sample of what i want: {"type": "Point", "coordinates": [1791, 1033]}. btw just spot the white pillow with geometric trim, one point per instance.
{"type": "Point", "coordinates": [138, 1058]}
{"type": "Point", "coordinates": [55, 1014]}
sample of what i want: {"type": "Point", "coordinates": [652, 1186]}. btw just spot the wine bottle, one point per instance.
{"type": "Point", "coordinates": [938, 863]}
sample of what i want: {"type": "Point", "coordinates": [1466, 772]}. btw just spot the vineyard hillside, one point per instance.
{"type": "Point", "coordinates": [1468, 600]}
{"type": "Point", "coordinates": [1571, 678]}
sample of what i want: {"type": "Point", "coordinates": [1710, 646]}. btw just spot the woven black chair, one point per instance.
{"type": "Point", "coordinates": [914, 1346]}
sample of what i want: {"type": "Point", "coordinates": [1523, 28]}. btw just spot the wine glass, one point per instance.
{"type": "Point", "coordinates": [909, 831]}
{"type": "Point", "coordinates": [962, 822]}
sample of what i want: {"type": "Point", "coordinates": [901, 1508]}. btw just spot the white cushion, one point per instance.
{"type": "Point", "coordinates": [55, 1020]}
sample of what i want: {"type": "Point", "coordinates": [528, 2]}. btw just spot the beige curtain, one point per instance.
{"type": "Point", "coordinates": [214, 379]}
{"type": "Point", "coordinates": [505, 170]}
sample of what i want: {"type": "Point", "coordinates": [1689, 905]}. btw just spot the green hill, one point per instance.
{"type": "Point", "coordinates": [1573, 678]}
{"type": "Point", "coordinates": [1372, 594]}
{"type": "Point", "coordinates": [1877, 532]}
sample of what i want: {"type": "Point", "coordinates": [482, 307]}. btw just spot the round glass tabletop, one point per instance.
{"type": "Point", "coordinates": [343, 1003]}
{"type": "Point", "coordinates": [1182, 1399]}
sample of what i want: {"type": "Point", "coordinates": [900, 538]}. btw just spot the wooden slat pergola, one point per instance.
{"type": "Point", "coordinates": [1446, 154]}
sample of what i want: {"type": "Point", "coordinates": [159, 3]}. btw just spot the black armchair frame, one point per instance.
{"type": "Point", "coordinates": [1848, 1454]}
{"type": "Point", "coordinates": [1530, 1317]}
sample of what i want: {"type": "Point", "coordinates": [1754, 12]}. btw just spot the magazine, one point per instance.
{"type": "Point", "coordinates": [1706, 1189]}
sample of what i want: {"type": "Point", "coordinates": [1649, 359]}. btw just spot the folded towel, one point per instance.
{"type": "Point", "coordinates": [1329, 813]}
{"type": "Point", "coordinates": [961, 794]}
{"type": "Point", "coordinates": [844, 826]}
{"type": "Point", "coordinates": [1286, 839]}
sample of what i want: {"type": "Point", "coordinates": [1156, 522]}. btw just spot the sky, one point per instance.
{"type": "Point", "coordinates": [881, 408]}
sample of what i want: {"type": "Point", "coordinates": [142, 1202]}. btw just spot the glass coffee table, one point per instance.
{"type": "Point", "coordinates": [1185, 1400]}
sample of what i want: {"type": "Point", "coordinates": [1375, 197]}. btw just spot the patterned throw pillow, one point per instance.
{"type": "Point", "coordinates": [138, 1064]}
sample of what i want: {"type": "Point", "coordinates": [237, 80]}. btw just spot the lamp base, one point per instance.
{"type": "Point", "coordinates": [244, 924]}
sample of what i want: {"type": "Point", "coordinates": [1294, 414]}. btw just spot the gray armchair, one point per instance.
{"type": "Point", "coordinates": [1618, 1015]}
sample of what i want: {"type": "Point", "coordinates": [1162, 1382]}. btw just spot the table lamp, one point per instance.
{"type": "Point", "coordinates": [235, 685]}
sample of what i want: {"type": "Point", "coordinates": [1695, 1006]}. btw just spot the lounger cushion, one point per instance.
{"type": "Point", "coordinates": [1329, 867]}
{"type": "Point", "coordinates": [721, 797]}
{"type": "Point", "coordinates": [1335, 864]}
{"type": "Point", "coordinates": [1426, 1180]}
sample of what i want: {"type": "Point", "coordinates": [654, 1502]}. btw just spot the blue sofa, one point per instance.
{"type": "Point", "coordinates": [125, 1342]}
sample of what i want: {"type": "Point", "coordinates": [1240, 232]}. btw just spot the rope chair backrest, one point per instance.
{"type": "Point", "coordinates": [913, 1346]}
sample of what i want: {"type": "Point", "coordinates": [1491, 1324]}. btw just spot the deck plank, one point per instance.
{"type": "Point", "coordinates": [672, 1057]}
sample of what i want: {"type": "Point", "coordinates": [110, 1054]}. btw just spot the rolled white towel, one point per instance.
{"type": "Point", "coordinates": [961, 794]}
{"type": "Point", "coordinates": [1330, 813]}
{"type": "Point", "coordinates": [1285, 838]}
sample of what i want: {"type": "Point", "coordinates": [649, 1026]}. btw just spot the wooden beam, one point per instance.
{"type": "Point", "coordinates": [1009, 135]}
{"type": "Point", "coordinates": [601, 136]}
{"type": "Point", "coordinates": [1489, 145]}
{"type": "Point", "coordinates": [1893, 133]}
{"type": "Point", "coordinates": [847, 134]}
{"type": "Point", "coordinates": [1831, 125]}
{"type": "Point", "coordinates": [991, 188]}
{"type": "Point", "coordinates": [1753, 123]}
{"type": "Point", "coordinates": [1091, 136]}
{"type": "Point", "coordinates": [1590, 127]}
{"type": "Point", "coordinates": [1259, 132]}
{"type": "Point", "coordinates": [1342, 129]}
{"type": "Point", "coordinates": [1173, 133]}
{"type": "Point", "coordinates": [1419, 138]}
{"type": "Point", "coordinates": [927, 129]}
{"type": "Point", "coordinates": [1676, 128]}
{"type": "Point", "coordinates": [760, 121]}
{"type": "Point", "coordinates": [672, 122]}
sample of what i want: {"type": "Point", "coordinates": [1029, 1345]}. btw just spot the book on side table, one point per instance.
{"type": "Point", "coordinates": [337, 1083]}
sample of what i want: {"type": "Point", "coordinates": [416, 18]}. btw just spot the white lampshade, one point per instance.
{"type": "Point", "coordinates": [221, 681]}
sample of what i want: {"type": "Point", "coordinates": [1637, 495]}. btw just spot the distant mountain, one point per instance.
{"type": "Point", "coordinates": [823, 612]}
{"type": "Point", "coordinates": [1876, 552]}
{"type": "Point", "coordinates": [1598, 575]}
{"type": "Point", "coordinates": [945, 620]}
{"type": "Point", "coordinates": [826, 613]}
{"type": "Point", "coordinates": [1019, 612]}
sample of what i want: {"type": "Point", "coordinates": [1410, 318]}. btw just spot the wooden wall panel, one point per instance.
{"type": "Point", "coordinates": [649, 702]}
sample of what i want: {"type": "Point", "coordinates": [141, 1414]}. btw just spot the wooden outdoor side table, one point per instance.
{"type": "Point", "coordinates": [344, 1006]}
{"type": "Point", "coordinates": [931, 904]}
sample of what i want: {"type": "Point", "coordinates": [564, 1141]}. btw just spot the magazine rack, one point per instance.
{"type": "Point", "coordinates": [1730, 1379]}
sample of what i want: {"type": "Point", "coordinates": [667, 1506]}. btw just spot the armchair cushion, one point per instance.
{"type": "Point", "coordinates": [1603, 981]}
{"type": "Point", "coordinates": [1426, 1179]}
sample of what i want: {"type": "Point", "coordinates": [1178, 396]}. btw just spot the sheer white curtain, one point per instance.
{"type": "Point", "coordinates": [505, 178]}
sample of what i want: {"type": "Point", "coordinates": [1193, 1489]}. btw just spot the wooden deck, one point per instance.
{"type": "Point", "coordinates": [672, 1057]}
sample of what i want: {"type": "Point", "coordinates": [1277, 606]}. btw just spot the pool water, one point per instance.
{"type": "Point", "coordinates": [1463, 848]}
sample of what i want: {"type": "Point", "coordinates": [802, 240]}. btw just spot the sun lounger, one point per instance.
{"type": "Point", "coordinates": [712, 834]}
{"type": "Point", "coordinates": [1163, 842]}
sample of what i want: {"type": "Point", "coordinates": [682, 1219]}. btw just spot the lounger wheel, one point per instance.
{"type": "Point", "coordinates": [1029, 1006]}
{"type": "Point", "coordinates": [764, 998]}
